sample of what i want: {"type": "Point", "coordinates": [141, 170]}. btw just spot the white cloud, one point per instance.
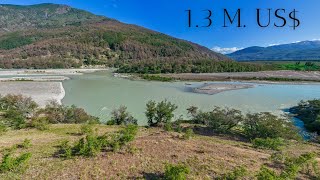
{"type": "Point", "coordinates": [225, 50]}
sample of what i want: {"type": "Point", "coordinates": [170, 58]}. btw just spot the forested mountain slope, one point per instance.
{"type": "Point", "coordinates": [59, 36]}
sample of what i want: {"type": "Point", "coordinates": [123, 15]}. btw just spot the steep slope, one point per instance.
{"type": "Point", "coordinates": [305, 50]}
{"type": "Point", "coordinates": [50, 35]}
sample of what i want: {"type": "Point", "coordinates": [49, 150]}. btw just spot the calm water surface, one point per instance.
{"type": "Point", "coordinates": [99, 93]}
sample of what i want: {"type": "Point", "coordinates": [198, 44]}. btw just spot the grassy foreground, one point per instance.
{"type": "Point", "coordinates": [145, 158]}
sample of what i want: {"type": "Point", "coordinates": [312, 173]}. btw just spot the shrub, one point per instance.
{"type": "Point", "coordinates": [120, 116]}
{"type": "Point", "coordinates": [57, 113]}
{"type": "Point", "coordinates": [91, 145]}
{"type": "Point", "coordinates": [25, 144]}
{"type": "Point", "coordinates": [25, 105]}
{"type": "Point", "coordinates": [3, 128]}
{"type": "Point", "coordinates": [87, 128]}
{"type": "Point", "coordinates": [309, 113]}
{"type": "Point", "coordinates": [160, 113]}
{"type": "Point", "coordinates": [292, 166]}
{"type": "Point", "coordinates": [15, 119]}
{"type": "Point", "coordinates": [188, 134]}
{"type": "Point", "coordinates": [176, 172]}
{"type": "Point", "coordinates": [237, 174]}
{"type": "Point", "coordinates": [219, 120]}
{"type": "Point", "coordinates": [266, 173]}
{"type": "Point", "coordinates": [11, 163]}
{"type": "Point", "coordinates": [268, 143]}
{"type": "Point", "coordinates": [40, 123]}
{"type": "Point", "coordinates": [88, 146]}
{"type": "Point", "coordinates": [65, 150]}
{"type": "Point", "coordinates": [127, 134]}
{"type": "Point", "coordinates": [156, 78]}
{"type": "Point", "coordinates": [168, 127]}
{"type": "Point", "coordinates": [266, 125]}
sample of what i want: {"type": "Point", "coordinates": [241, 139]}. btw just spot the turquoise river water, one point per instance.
{"type": "Point", "coordinates": [99, 93]}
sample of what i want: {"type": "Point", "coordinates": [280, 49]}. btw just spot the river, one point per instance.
{"type": "Point", "coordinates": [99, 93]}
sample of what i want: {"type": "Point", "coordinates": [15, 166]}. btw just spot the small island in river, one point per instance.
{"type": "Point", "coordinates": [221, 87]}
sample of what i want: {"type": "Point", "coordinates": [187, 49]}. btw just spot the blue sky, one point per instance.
{"type": "Point", "coordinates": [169, 17]}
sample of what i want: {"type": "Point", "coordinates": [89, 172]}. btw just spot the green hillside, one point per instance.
{"type": "Point", "coordinates": [58, 36]}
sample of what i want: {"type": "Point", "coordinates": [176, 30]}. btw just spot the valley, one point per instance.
{"type": "Point", "coordinates": [84, 96]}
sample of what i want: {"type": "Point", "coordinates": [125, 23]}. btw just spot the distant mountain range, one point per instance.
{"type": "Point", "coordinates": [63, 36]}
{"type": "Point", "coordinates": [305, 50]}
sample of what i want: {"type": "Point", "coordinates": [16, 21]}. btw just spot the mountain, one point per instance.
{"type": "Point", "coordinates": [51, 35]}
{"type": "Point", "coordinates": [305, 50]}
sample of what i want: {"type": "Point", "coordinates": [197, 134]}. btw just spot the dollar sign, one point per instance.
{"type": "Point", "coordinates": [296, 22]}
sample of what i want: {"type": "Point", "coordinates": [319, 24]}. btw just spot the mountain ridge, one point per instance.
{"type": "Point", "coordinates": [56, 34]}
{"type": "Point", "coordinates": [304, 50]}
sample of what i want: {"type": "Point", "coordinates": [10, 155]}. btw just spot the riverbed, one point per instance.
{"type": "Point", "coordinates": [99, 93]}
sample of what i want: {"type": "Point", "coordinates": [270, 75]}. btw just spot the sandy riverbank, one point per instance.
{"type": "Point", "coordinates": [40, 92]}
{"type": "Point", "coordinates": [41, 85]}
{"type": "Point", "coordinates": [46, 72]}
{"type": "Point", "coordinates": [35, 78]}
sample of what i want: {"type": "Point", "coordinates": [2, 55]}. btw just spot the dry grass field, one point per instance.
{"type": "Point", "coordinates": [207, 156]}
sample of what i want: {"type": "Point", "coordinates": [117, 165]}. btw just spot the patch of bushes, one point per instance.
{"type": "Point", "coordinates": [291, 168]}
{"type": "Point", "coordinates": [266, 125]}
{"type": "Point", "coordinates": [40, 123]}
{"type": "Point", "coordinates": [15, 119]}
{"type": "Point", "coordinates": [57, 113]}
{"type": "Point", "coordinates": [24, 105]}
{"type": "Point", "coordinates": [168, 127]}
{"type": "Point", "coordinates": [158, 114]}
{"type": "Point", "coordinates": [3, 128]}
{"type": "Point", "coordinates": [268, 143]}
{"type": "Point", "coordinates": [156, 78]}
{"type": "Point", "coordinates": [176, 172]}
{"type": "Point", "coordinates": [92, 144]}
{"type": "Point", "coordinates": [251, 126]}
{"type": "Point", "coordinates": [266, 173]}
{"type": "Point", "coordinates": [10, 162]}
{"type": "Point", "coordinates": [25, 144]}
{"type": "Point", "coordinates": [237, 174]}
{"type": "Point", "coordinates": [219, 120]}
{"type": "Point", "coordinates": [309, 113]}
{"type": "Point", "coordinates": [188, 134]}
{"type": "Point", "coordinates": [87, 129]}
{"type": "Point", "coordinates": [120, 116]}
{"type": "Point", "coordinates": [65, 150]}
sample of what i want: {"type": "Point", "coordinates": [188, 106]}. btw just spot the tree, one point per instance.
{"type": "Point", "coordinates": [120, 116]}
{"type": "Point", "coordinates": [57, 113]}
{"type": "Point", "coordinates": [267, 125]}
{"type": "Point", "coordinates": [160, 113]}
{"type": "Point", "coordinates": [219, 120]}
{"type": "Point", "coordinates": [25, 105]}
